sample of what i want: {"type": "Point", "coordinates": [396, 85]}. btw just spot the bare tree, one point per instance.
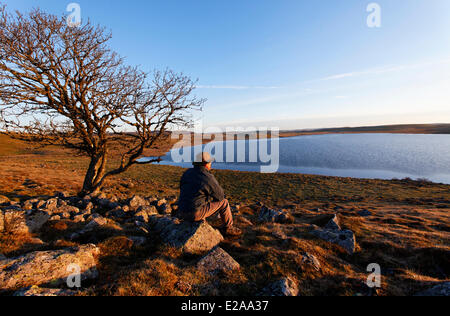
{"type": "Point", "coordinates": [64, 85]}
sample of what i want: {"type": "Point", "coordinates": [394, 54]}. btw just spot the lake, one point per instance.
{"type": "Point", "coordinates": [373, 156]}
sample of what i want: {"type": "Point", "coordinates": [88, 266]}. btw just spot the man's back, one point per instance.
{"type": "Point", "coordinates": [198, 187]}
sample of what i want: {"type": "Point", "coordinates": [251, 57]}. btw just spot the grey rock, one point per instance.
{"type": "Point", "coordinates": [191, 238]}
{"type": "Point", "coordinates": [442, 290]}
{"type": "Point", "coordinates": [65, 209]}
{"type": "Point", "coordinates": [44, 267]}
{"type": "Point", "coordinates": [35, 291]}
{"type": "Point", "coordinates": [2, 257]}
{"type": "Point", "coordinates": [136, 201]}
{"type": "Point", "coordinates": [217, 260]}
{"type": "Point", "coordinates": [91, 226]}
{"type": "Point", "coordinates": [274, 216]}
{"type": "Point", "coordinates": [283, 287]}
{"type": "Point", "coordinates": [344, 238]}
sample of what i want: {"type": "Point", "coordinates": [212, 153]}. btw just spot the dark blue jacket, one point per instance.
{"type": "Point", "coordinates": [197, 188]}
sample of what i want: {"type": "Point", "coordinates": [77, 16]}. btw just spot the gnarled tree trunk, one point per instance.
{"type": "Point", "coordinates": [94, 175]}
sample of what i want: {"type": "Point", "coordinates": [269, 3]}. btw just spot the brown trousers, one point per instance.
{"type": "Point", "coordinates": [211, 209]}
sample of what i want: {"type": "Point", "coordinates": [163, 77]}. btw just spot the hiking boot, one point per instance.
{"type": "Point", "coordinates": [231, 231]}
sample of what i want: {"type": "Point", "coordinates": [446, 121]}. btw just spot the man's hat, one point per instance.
{"type": "Point", "coordinates": [203, 158]}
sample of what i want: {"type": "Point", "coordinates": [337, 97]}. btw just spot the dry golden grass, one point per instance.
{"type": "Point", "coordinates": [408, 234]}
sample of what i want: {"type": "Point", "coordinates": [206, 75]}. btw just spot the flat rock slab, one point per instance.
{"type": "Point", "coordinates": [42, 292]}
{"type": "Point", "coordinates": [282, 287]}
{"type": "Point", "coordinates": [442, 289]}
{"type": "Point", "coordinates": [218, 260]}
{"type": "Point", "coordinates": [191, 238]}
{"type": "Point", "coordinates": [44, 267]}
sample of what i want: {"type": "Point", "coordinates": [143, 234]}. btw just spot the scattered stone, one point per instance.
{"type": "Point", "coordinates": [136, 201]}
{"type": "Point", "coordinates": [344, 238]}
{"type": "Point", "coordinates": [55, 218]}
{"type": "Point", "coordinates": [191, 238]}
{"type": "Point", "coordinates": [18, 222]}
{"type": "Point", "coordinates": [273, 216]}
{"type": "Point", "coordinates": [91, 226]}
{"type": "Point", "coordinates": [44, 267]}
{"type": "Point", "coordinates": [65, 209]}
{"type": "Point", "coordinates": [62, 195]}
{"type": "Point", "coordinates": [138, 240]}
{"type": "Point", "coordinates": [79, 218]}
{"type": "Point", "coordinates": [35, 291]}
{"type": "Point", "coordinates": [333, 224]}
{"type": "Point", "coordinates": [365, 213]}
{"type": "Point", "coordinates": [118, 212]}
{"type": "Point", "coordinates": [50, 205]}
{"type": "Point", "coordinates": [29, 205]}
{"type": "Point", "coordinates": [218, 260]}
{"type": "Point", "coordinates": [107, 204]}
{"type": "Point", "coordinates": [282, 287]}
{"type": "Point", "coordinates": [310, 260]}
{"type": "Point", "coordinates": [164, 209]}
{"type": "Point", "coordinates": [442, 289]}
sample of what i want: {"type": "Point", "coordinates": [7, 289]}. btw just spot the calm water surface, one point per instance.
{"type": "Point", "coordinates": [381, 156]}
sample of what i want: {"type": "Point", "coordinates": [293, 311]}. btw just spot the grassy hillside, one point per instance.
{"type": "Point", "coordinates": [408, 234]}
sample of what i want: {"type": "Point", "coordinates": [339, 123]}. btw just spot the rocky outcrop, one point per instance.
{"type": "Point", "coordinates": [192, 238]}
{"type": "Point", "coordinates": [442, 289]}
{"type": "Point", "coordinates": [333, 233]}
{"type": "Point", "coordinates": [217, 260]}
{"type": "Point", "coordinates": [35, 291]}
{"type": "Point", "coordinates": [283, 287]}
{"type": "Point", "coordinates": [44, 267]}
{"type": "Point", "coordinates": [274, 216]}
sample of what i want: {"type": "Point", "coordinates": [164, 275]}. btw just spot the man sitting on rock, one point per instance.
{"type": "Point", "coordinates": [201, 196]}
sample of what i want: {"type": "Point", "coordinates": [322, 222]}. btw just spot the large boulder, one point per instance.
{"type": "Point", "coordinates": [217, 260]}
{"type": "Point", "coordinates": [45, 267]}
{"type": "Point", "coordinates": [21, 222]}
{"type": "Point", "coordinates": [191, 238]}
{"type": "Point", "coordinates": [35, 291]}
{"type": "Point", "coordinates": [283, 287]}
{"type": "Point", "coordinates": [442, 289]}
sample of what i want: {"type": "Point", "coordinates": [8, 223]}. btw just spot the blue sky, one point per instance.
{"type": "Point", "coordinates": [292, 64]}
